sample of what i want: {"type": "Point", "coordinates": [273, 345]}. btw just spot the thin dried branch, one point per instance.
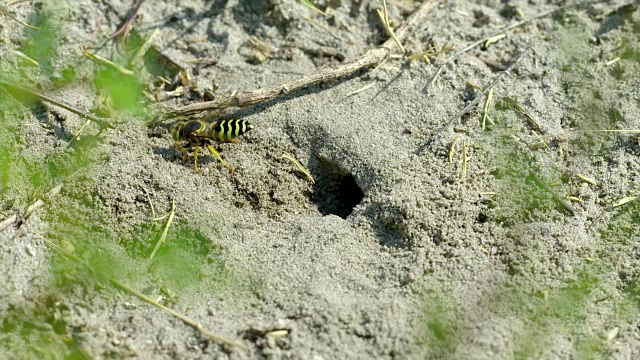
{"type": "Point", "coordinates": [475, 101]}
{"type": "Point", "coordinates": [8, 221]}
{"type": "Point", "coordinates": [370, 58]}
{"type": "Point", "coordinates": [4, 11]}
{"type": "Point", "coordinates": [101, 122]}
{"type": "Point", "coordinates": [126, 27]}
{"type": "Point", "coordinates": [163, 236]}
{"type": "Point", "coordinates": [13, 219]}
{"type": "Point", "coordinates": [187, 320]}
{"type": "Point", "coordinates": [502, 32]}
{"type": "Point", "coordinates": [102, 61]}
{"type": "Point", "coordinates": [120, 285]}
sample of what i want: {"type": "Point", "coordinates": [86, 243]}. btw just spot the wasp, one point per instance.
{"type": "Point", "coordinates": [196, 134]}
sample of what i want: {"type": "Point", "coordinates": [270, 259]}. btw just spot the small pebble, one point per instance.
{"type": "Point", "coordinates": [30, 250]}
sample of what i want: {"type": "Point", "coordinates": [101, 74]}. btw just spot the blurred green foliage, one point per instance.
{"type": "Point", "coordinates": [185, 259]}
{"type": "Point", "coordinates": [556, 315]}
{"type": "Point", "coordinates": [76, 220]}
{"type": "Point", "coordinates": [42, 44]}
{"type": "Point", "coordinates": [32, 334]}
{"type": "Point", "coordinates": [541, 317]}
{"type": "Point", "coordinates": [25, 175]}
{"type": "Point", "coordinates": [20, 177]}
{"type": "Point", "coordinates": [515, 162]}
{"type": "Point", "coordinates": [440, 327]}
{"type": "Point", "coordinates": [124, 92]}
{"type": "Point", "coordinates": [548, 316]}
{"type": "Point", "coordinates": [519, 199]}
{"type": "Point", "coordinates": [589, 105]}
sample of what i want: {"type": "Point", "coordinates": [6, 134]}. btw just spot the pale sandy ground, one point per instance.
{"type": "Point", "coordinates": [393, 253]}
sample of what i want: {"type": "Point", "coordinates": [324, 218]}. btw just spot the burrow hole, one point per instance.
{"type": "Point", "coordinates": [335, 191]}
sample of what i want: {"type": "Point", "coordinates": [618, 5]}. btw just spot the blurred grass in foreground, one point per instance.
{"type": "Point", "coordinates": [541, 318]}
{"type": "Point", "coordinates": [580, 314]}
{"type": "Point", "coordinates": [189, 263]}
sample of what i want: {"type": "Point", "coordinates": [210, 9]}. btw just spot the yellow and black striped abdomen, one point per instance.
{"type": "Point", "coordinates": [226, 130]}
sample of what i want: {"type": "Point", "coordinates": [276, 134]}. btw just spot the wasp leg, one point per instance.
{"type": "Point", "coordinates": [195, 159]}
{"type": "Point", "coordinates": [215, 153]}
{"type": "Point", "coordinates": [235, 141]}
{"type": "Point", "coordinates": [182, 150]}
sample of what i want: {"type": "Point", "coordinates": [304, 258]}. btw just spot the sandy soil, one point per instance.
{"type": "Point", "coordinates": [394, 252]}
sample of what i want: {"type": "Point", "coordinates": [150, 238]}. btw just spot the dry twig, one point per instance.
{"type": "Point", "coordinates": [4, 11]}
{"type": "Point", "coordinates": [299, 166]}
{"type": "Point", "coordinates": [13, 219]}
{"type": "Point", "coordinates": [501, 32]}
{"type": "Point", "coordinates": [474, 101]}
{"type": "Point", "coordinates": [102, 61]}
{"type": "Point", "coordinates": [364, 88]}
{"type": "Point", "coordinates": [196, 325]}
{"type": "Point", "coordinates": [26, 58]}
{"type": "Point", "coordinates": [8, 221]}
{"type": "Point", "coordinates": [370, 58]}
{"type": "Point", "coordinates": [101, 122]}
{"type": "Point", "coordinates": [534, 124]}
{"type": "Point", "coordinates": [384, 18]}
{"type": "Point", "coordinates": [486, 109]}
{"type": "Point", "coordinates": [126, 27]}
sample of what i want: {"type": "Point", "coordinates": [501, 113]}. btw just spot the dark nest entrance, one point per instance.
{"type": "Point", "coordinates": [336, 191]}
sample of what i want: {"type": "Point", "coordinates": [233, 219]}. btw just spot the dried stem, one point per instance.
{"type": "Point", "coordinates": [38, 203]}
{"type": "Point", "coordinates": [163, 236]}
{"type": "Point", "coordinates": [126, 27]}
{"type": "Point", "coordinates": [8, 221]}
{"type": "Point", "coordinates": [196, 325]}
{"type": "Point", "coordinates": [101, 122]}
{"type": "Point", "coordinates": [4, 11]}
{"type": "Point", "coordinates": [475, 101]}
{"type": "Point", "coordinates": [370, 58]}
{"type": "Point", "coordinates": [541, 184]}
{"type": "Point", "coordinates": [100, 60]}
{"type": "Point", "coordinates": [300, 167]}
{"type": "Point", "coordinates": [31, 208]}
{"type": "Point", "coordinates": [500, 32]}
